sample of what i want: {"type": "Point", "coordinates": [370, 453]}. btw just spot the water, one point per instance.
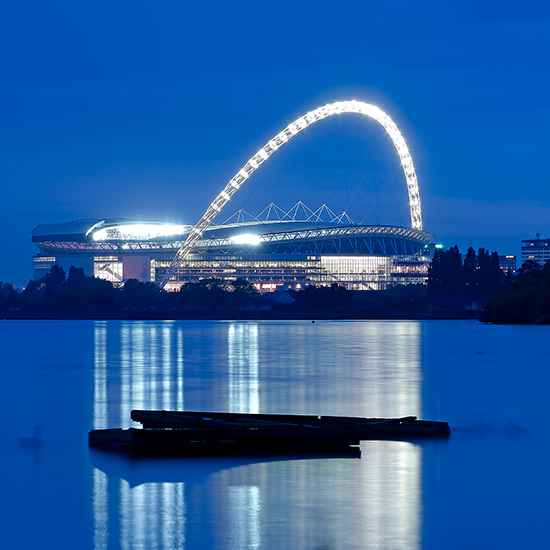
{"type": "Point", "coordinates": [487, 486]}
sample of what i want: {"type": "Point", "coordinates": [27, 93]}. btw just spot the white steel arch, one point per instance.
{"type": "Point", "coordinates": [280, 139]}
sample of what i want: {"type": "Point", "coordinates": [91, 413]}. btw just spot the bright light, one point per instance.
{"type": "Point", "coordinates": [138, 232]}
{"type": "Point", "coordinates": [246, 239]}
{"type": "Point", "coordinates": [290, 131]}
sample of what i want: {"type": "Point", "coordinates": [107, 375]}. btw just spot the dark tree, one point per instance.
{"type": "Point", "coordinates": [210, 293]}
{"type": "Point", "coordinates": [242, 285]}
{"type": "Point", "coordinates": [530, 267]}
{"type": "Point", "coordinates": [436, 275]}
{"type": "Point", "coordinates": [324, 297]}
{"type": "Point", "coordinates": [525, 301]}
{"type": "Point", "coordinates": [77, 279]}
{"type": "Point", "coordinates": [79, 292]}
{"type": "Point", "coordinates": [489, 274]}
{"type": "Point", "coordinates": [476, 277]}
{"type": "Point", "coordinates": [242, 294]}
{"type": "Point", "coordinates": [496, 275]}
{"type": "Point", "coordinates": [9, 297]}
{"type": "Point", "coordinates": [469, 273]}
{"type": "Point", "coordinates": [54, 280]}
{"type": "Point", "coordinates": [445, 274]}
{"type": "Point", "coordinates": [453, 272]}
{"type": "Point", "coordinates": [136, 294]}
{"type": "Point", "coordinates": [34, 291]}
{"type": "Point", "coordinates": [101, 292]}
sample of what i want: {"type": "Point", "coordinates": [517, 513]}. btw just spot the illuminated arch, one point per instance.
{"type": "Point", "coordinates": [280, 139]}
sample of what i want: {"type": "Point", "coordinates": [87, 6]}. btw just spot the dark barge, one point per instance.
{"type": "Point", "coordinates": [193, 433]}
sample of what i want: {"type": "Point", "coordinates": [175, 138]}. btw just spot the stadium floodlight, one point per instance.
{"type": "Point", "coordinates": [138, 231]}
{"type": "Point", "coordinates": [340, 107]}
{"type": "Point", "coordinates": [246, 239]}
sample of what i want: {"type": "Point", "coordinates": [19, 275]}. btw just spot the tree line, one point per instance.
{"type": "Point", "coordinates": [451, 279]}
{"type": "Point", "coordinates": [525, 301]}
{"type": "Point", "coordinates": [76, 291]}
{"type": "Point", "coordinates": [476, 276]}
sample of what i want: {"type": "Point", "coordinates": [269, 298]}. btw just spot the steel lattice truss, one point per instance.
{"type": "Point", "coordinates": [279, 140]}
{"type": "Point", "coordinates": [385, 240]}
{"type": "Point", "coordinates": [334, 239]}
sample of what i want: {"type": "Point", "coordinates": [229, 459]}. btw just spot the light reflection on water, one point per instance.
{"type": "Point", "coordinates": [232, 503]}
{"type": "Point", "coordinates": [259, 367]}
{"type": "Point", "coordinates": [242, 353]}
{"type": "Point", "coordinates": [486, 487]}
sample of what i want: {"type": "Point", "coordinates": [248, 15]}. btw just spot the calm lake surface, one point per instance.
{"type": "Point", "coordinates": [488, 486]}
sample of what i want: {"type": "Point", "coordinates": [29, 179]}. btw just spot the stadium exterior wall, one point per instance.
{"type": "Point", "coordinates": [272, 256]}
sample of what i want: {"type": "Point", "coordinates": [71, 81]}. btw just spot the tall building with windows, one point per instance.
{"type": "Point", "coordinates": [537, 250]}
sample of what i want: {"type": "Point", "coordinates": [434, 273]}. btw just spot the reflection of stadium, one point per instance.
{"type": "Point", "coordinates": [275, 249]}
{"type": "Point", "coordinates": [271, 254]}
{"type": "Point", "coordinates": [167, 504]}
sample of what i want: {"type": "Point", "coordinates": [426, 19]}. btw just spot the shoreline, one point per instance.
{"type": "Point", "coordinates": [236, 315]}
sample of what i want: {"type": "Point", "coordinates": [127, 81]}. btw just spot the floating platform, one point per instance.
{"type": "Point", "coordinates": [192, 433]}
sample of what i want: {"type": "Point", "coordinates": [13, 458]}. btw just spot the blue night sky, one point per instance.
{"type": "Point", "coordinates": [143, 110]}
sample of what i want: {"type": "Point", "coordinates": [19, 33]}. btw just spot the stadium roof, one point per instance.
{"type": "Point", "coordinates": [261, 237]}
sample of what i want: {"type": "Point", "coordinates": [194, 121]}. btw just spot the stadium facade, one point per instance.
{"type": "Point", "coordinates": [271, 254]}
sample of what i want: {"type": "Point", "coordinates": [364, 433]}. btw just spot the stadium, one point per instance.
{"type": "Point", "coordinates": [274, 250]}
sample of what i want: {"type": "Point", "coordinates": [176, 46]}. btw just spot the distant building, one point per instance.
{"type": "Point", "coordinates": [537, 250]}
{"type": "Point", "coordinates": [507, 263]}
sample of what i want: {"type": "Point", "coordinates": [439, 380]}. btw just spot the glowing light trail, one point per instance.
{"type": "Point", "coordinates": [280, 139]}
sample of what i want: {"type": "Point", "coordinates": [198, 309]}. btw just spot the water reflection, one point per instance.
{"type": "Point", "coordinates": [243, 368]}
{"type": "Point", "coordinates": [152, 515]}
{"type": "Point", "coordinates": [244, 509]}
{"type": "Point", "coordinates": [100, 414]}
{"type": "Point", "coordinates": [136, 366]}
{"type": "Point", "coordinates": [101, 509]}
{"type": "Point", "coordinates": [341, 368]}
{"type": "Point", "coordinates": [394, 485]}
